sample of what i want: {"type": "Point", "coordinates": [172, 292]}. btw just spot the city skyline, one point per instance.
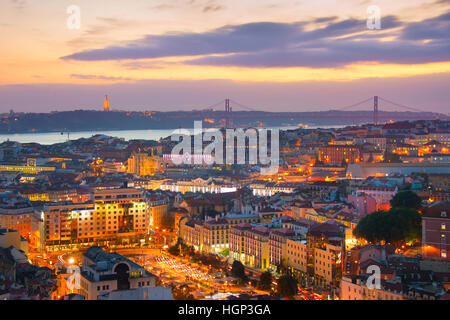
{"type": "Point", "coordinates": [284, 55]}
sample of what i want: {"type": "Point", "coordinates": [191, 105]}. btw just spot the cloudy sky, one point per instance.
{"type": "Point", "coordinates": [289, 55]}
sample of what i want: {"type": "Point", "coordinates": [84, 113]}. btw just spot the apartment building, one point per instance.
{"type": "Point", "coordinates": [256, 248]}
{"type": "Point", "coordinates": [297, 257]}
{"type": "Point", "coordinates": [355, 288]}
{"type": "Point", "coordinates": [17, 213]}
{"type": "Point", "coordinates": [436, 232]}
{"type": "Point", "coordinates": [236, 238]}
{"type": "Point", "coordinates": [115, 216]}
{"type": "Point", "coordinates": [65, 222]}
{"type": "Point", "coordinates": [381, 194]}
{"type": "Point", "coordinates": [277, 246]}
{"type": "Point", "coordinates": [325, 245]}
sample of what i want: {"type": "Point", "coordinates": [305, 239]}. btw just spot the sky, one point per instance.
{"type": "Point", "coordinates": [273, 55]}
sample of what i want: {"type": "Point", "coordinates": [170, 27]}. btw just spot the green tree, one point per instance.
{"type": "Point", "coordinates": [265, 281]}
{"type": "Point", "coordinates": [397, 225]}
{"type": "Point", "coordinates": [407, 199]}
{"type": "Point", "coordinates": [371, 227]}
{"type": "Point", "coordinates": [287, 286]}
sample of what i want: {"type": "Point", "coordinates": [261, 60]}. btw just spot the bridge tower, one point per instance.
{"type": "Point", "coordinates": [228, 111]}
{"type": "Point", "coordinates": [375, 110]}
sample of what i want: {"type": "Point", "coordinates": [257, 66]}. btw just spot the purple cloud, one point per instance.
{"type": "Point", "coordinates": [267, 44]}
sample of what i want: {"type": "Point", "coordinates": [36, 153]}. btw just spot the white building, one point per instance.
{"type": "Point", "coordinates": [104, 272]}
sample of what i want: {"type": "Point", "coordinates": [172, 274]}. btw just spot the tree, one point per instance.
{"type": "Point", "coordinates": [287, 286]}
{"type": "Point", "coordinates": [265, 281]}
{"type": "Point", "coordinates": [238, 270]}
{"type": "Point", "coordinates": [371, 227]}
{"type": "Point", "coordinates": [174, 250]}
{"type": "Point", "coordinates": [407, 199]}
{"type": "Point", "coordinates": [397, 225]}
{"type": "Point", "coordinates": [406, 225]}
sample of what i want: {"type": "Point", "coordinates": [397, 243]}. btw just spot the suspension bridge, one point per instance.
{"type": "Point", "coordinates": [375, 102]}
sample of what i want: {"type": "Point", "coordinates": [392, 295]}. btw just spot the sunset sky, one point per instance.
{"type": "Point", "coordinates": [283, 55]}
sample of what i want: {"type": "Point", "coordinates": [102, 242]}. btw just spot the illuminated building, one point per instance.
{"type": "Point", "coordinates": [143, 164]}
{"type": "Point", "coordinates": [406, 149]}
{"type": "Point", "coordinates": [436, 232]}
{"type": "Point", "coordinates": [9, 237]}
{"type": "Point", "coordinates": [17, 213]}
{"type": "Point", "coordinates": [325, 252]}
{"type": "Point", "coordinates": [328, 262]}
{"type": "Point", "coordinates": [340, 154]}
{"type": "Point", "coordinates": [205, 236]}
{"type": "Point", "coordinates": [298, 210]}
{"type": "Point", "coordinates": [56, 195]}
{"type": "Point", "coordinates": [277, 246]}
{"type": "Point", "coordinates": [382, 195]}
{"type": "Point", "coordinates": [214, 235]}
{"type": "Point", "coordinates": [236, 238]}
{"type": "Point", "coordinates": [178, 214]}
{"type": "Point", "coordinates": [106, 104]}
{"type": "Point", "coordinates": [104, 272]}
{"type": "Point", "coordinates": [250, 245]}
{"type": "Point", "coordinates": [256, 244]}
{"type": "Point", "coordinates": [158, 211]}
{"type": "Point", "coordinates": [296, 257]}
{"type": "Point", "coordinates": [355, 288]}
{"type": "Point", "coordinates": [150, 184]}
{"type": "Point", "coordinates": [319, 261]}
{"type": "Point", "coordinates": [200, 185]}
{"type": "Point", "coordinates": [65, 222]}
{"type": "Point", "coordinates": [116, 216]}
{"type": "Point", "coordinates": [433, 147]}
{"type": "Point", "coordinates": [363, 203]}
{"type": "Point", "coordinates": [364, 170]}
{"type": "Point", "coordinates": [190, 232]}
{"type": "Point", "coordinates": [30, 167]}
{"type": "Point", "coordinates": [441, 137]}
{"type": "Point", "coordinates": [264, 188]}
{"type": "Point", "coordinates": [439, 182]}
{"type": "Point", "coordinates": [378, 141]}
{"type": "Point", "coordinates": [120, 212]}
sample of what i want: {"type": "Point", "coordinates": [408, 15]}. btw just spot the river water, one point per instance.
{"type": "Point", "coordinates": [48, 138]}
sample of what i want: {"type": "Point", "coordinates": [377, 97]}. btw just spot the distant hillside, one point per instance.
{"type": "Point", "coordinates": [84, 120]}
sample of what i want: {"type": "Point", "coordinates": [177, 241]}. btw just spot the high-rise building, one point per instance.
{"type": "Point", "coordinates": [116, 216]}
